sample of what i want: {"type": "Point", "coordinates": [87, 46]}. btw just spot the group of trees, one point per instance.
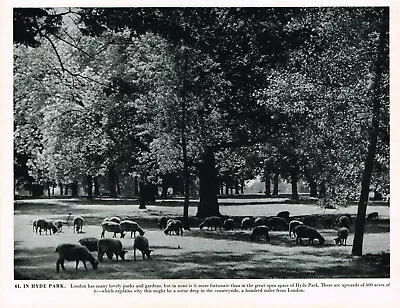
{"type": "Point", "coordinates": [211, 93]}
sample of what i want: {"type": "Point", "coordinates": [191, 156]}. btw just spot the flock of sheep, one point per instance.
{"type": "Point", "coordinates": [259, 227]}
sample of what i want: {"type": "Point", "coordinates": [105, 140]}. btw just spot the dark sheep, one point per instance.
{"type": "Point", "coordinates": [373, 215]}
{"type": "Point", "coordinates": [303, 231]}
{"type": "Point", "coordinates": [229, 224]}
{"type": "Point", "coordinates": [74, 252]}
{"type": "Point", "coordinates": [246, 223]}
{"type": "Point", "coordinates": [292, 226]}
{"type": "Point", "coordinates": [260, 221]}
{"type": "Point", "coordinates": [162, 223]}
{"type": "Point", "coordinates": [173, 225]}
{"type": "Point", "coordinates": [310, 220]}
{"type": "Point", "coordinates": [211, 222]}
{"type": "Point", "coordinates": [141, 243]}
{"type": "Point", "coordinates": [78, 224]}
{"type": "Point", "coordinates": [42, 224]}
{"type": "Point", "coordinates": [89, 242]}
{"type": "Point", "coordinates": [329, 223]}
{"type": "Point", "coordinates": [110, 247]}
{"type": "Point", "coordinates": [341, 239]}
{"type": "Point", "coordinates": [277, 223]}
{"type": "Point", "coordinates": [284, 214]}
{"type": "Point", "coordinates": [260, 231]}
{"type": "Point", "coordinates": [110, 226]}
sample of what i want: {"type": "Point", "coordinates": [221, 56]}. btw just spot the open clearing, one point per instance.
{"type": "Point", "coordinates": [198, 253]}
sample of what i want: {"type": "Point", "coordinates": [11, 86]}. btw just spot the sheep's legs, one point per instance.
{"type": "Point", "coordinates": [76, 267]}
{"type": "Point", "coordinates": [134, 252]}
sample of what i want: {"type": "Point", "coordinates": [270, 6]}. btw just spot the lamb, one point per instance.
{"type": "Point", "coordinates": [229, 224]}
{"type": "Point", "coordinates": [341, 239]}
{"type": "Point", "coordinates": [162, 223]}
{"type": "Point", "coordinates": [260, 231]}
{"type": "Point", "coordinates": [110, 247]}
{"type": "Point", "coordinates": [373, 215]}
{"type": "Point", "coordinates": [246, 223]}
{"type": "Point", "coordinates": [260, 221]}
{"type": "Point", "coordinates": [277, 223]}
{"type": "Point", "coordinates": [141, 243]}
{"type": "Point", "coordinates": [74, 252]}
{"type": "Point", "coordinates": [78, 224]}
{"type": "Point", "coordinates": [110, 226]}
{"type": "Point", "coordinates": [292, 225]}
{"type": "Point", "coordinates": [284, 214]}
{"type": "Point", "coordinates": [128, 225]}
{"type": "Point", "coordinates": [343, 221]}
{"type": "Point", "coordinates": [173, 226]}
{"type": "Point", "coordinates": [210, 222]}
{"type": "Point", "coordinates": [45, 225]}
{"type": "Point", "coordinates": [303, 231]}
{"type": "Point", "coordinates": [89, 242]}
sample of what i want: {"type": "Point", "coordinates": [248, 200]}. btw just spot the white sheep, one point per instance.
{"type": "Point", "coordinates": [42, 224]}
{"type": "Point", "coordinates": [303, 231]}
{"type": "Point", "coordinates": [110, 247]}
{"type": "Point", "coordinates": [229, 224]}
{"type": "Point", "coordinates": [341, 239]}
{"type": "Point", "coordinates": [210, 222]}
{"type": "Point", "coordinates": [173, 225]}
{"type": "Point", "coordinates": [292, 225]}
{"type": "Point", "coordinates": [89, 242]}
{"type": "Point", "coordinates": [78, 224]}
{"type": "Point", "coordinates": [246, 223]}
{"type": "Point", "coordinates": [73, 252]}
{"type": "Point", "coordinates": [128, 225]}
{"type": "Point", "coordinates": [260, 231]}
{"type": "Point", "coordinates": [110, 226]}
{"type": "Point", "coordinates": [141, 243]}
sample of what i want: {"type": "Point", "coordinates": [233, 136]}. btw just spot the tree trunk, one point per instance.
{"type": "Point", "coordinates": [48, 191]}
{"type": "Point", "coordinates": [142, 195]}
{"type": "Point", "coordinates": [96, 186]}
{"type": "Point", "coordinates": [313, 187]}
{"type": "Point", "coordinates": [136, 189]}
{"type": "Point", "coordinates": [61, 189]}
{"type": "Point", "coordinates": [295, 193]}
{"type": "Point", "coordinates": [276, 183]}
{"type": "Point", "coordinates": [373, 139]}
{"type": "Point", "coordinates": [90, 187]}
{"type": "Point", "coordinates": [208, 205]}
{"type": "Point", "coordinates": [236, 186]}
{"type": "Point", "coordinates": [112, 186]}
{"type": "Point", "coordinates": [66, 189]}
{"type": "Point", "coordinates": [242, 187]}
{"type": "Point", "coordinates": [322, 190]}
{"type": "Point", "coordinates": [267, 183]}
{"type": "Point", "coordinates": [74, 189]}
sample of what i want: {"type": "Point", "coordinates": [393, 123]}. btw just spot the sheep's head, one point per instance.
{"type": "Point", "coordinates": [337, 240]}
{"type": "Point", "coordinates": [54, 229]}
{"type": "Point", "coordinates": [77, 228]}
{"type": "Point", "coordinates": [201, 226]}
{"type": "Point", "coordinates": [122, 254]}
{"type": "Point", "coordinates": [141, 232]}
{"type": "Point", "coordinates": [166, 231]}
{"type": "Point", "coordinates": [321, 240]}
{"type": "Point", "coordinates": [95, 264]}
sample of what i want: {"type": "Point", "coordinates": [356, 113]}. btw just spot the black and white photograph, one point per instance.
{"type": "Point", "coordinates": [209, 143]}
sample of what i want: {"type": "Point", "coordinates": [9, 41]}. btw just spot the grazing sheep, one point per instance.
{"type": "Point", "coordinates": [141, 243]}
{"type": "Point", "coordinates": [373, 215]}
{"type": "Point", "coordinates": [128, 225]}
{"type": "Point", "coordinates": [78, 224]}
{"type": "Point", "coordinates": [229, 224]}
{"type": "Point", "coordinates": [45, 225]}
{"type": "Point", "coordinates": [210, 222]}
{"type": "Point", "coordinates": [260, 221]}
{"type": "Point", "coordinates": [73, 252]}
{"type": "Point", "coordinates": [173, 226]}
{"type": "Point", "coordinates": [277, 223]}
{"type": "Point", "coordinates": [284, 214]}
{"type": "Point", "coordinates": [110, 226]}
{"type": "Point", "coordinates": [110, 247]}
{"type": "Point", "coordinates": [246, 223]}
{"type": "Point", "coordinates": [341, 239]}
{"type": "Point", "coordinates": [292, 226]}
{"type": "Point", "coordinates": [260, 231]}
{"type": "Point", "coordinates": [343, 221]}
{"type": "Point", "coordinates": [162, 223]}
{"type": "Point", "coordinates": [310, 220]}
{"type": "Point", "coordinates": [59, 224]}
{"type": "Point", "coordinates": [89, 242]}
{"type": "Point", "coordinates": [329, 223]}
{"type": "Point", "coordinates": [303, 231]}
